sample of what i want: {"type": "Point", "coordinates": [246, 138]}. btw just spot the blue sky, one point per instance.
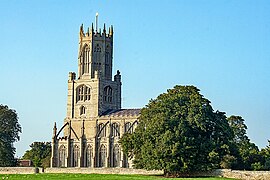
{"type": "Point", "coordinates": [222, 47]}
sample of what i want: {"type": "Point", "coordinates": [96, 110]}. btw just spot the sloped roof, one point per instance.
{"type": "Point", "coordinates": [122, 112]}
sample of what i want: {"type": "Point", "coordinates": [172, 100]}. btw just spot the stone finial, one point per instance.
{"type": "Point", "coordinates": [104, 29]}
{"type": "Point", "coordinates": [81, 30]}
{"type": "Point", "coordinates": [92, 28]}
{"type": "Point", "coordinates": [54, 130]}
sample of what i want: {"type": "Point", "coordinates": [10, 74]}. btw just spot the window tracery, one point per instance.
{"type": "Point", "coordinates": [101, 130]}
{"type": "Point", "coordinates": [62, 156]}
{"type": "Point", "coordinates": [88, 156]}
{"type": "Point", "coordinates": [128, 128]}
{"type": "Point", "coordinates": [115, 130]}
{"type": "Point", "coordinates": [85, 59]}
{"type": "Point", "coordinates": [102, 156]}
{"type": "Point", "coordinates": [83, 93]}
{"type": "Point", "coordinates": [107, 94]}
{"type": "Point", "coordinates": [76, 155]}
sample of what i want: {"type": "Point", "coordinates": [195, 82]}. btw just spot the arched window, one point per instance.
{"type": "Point", "coordinates": [83, 93]}
{"type": "Point", "coordinates": [101, 130]}
{"type": "Point", "coordinates": [88, 154]}
{"type": "Point", "coordinates": [115, 130]}
{"type": "Point", "coordinates": [102, 156]}
{"type": "Point", "coordinates": [96, 57]}
{"type": "Point", "coordinates": [76, 156]}
{"type": "Point", "coordinates": [116, 156]}
{"type": "Point", "coordinates": [85, 59]}
{"type": "Point", "coordinates": [128, 128]}
{"type": "Point", "coordinates": [107, 62]}
{"type": "Point", "coordinates": [107, 94]}
{"type": "Point", "coordinates": [62, 156]}
{"type": "Point", "coordinates": [82, 110]}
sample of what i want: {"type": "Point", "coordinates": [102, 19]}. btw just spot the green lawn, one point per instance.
{"type": "Point", "coordinates": [94, 177]}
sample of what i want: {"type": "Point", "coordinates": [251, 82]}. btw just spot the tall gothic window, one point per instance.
{"type": "Point", "coordinates": [128, 128]}
{"type": "Point", "coordinates": [102, 156]}
{"type": "Point", "coordinates": [116, 156]}
{"type": "Point", "coordinates": [107, 95]}
{"type": "Point", "coordinates": [107, 62]}
{"type": "Point", "coordinates": [83, 93]}
{"type": "Point", "coordinates": [62, 156]}
{"type": "Point", "coordinates": [82, 110]}
{"type": "Point", "coordinates": [115, 130]}
{"type": "Point", "coordinates": [101, 130]}
{"type": "Point", "coordinates": [97, 55]}
{"type": "Point", "coordinates": [88, 154]}
{"type": "Point", "coordinates": [85, 59]}
{"type": "Point", "coordinates": [76, 156]}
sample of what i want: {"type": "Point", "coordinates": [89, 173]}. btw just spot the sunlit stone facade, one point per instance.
{"type": "Point", "coordinates": [95, 121]}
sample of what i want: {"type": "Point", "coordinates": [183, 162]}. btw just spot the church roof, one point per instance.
{"type": "Point", "coordinates": [122, 112]}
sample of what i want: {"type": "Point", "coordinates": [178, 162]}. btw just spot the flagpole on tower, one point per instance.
{"type": "Point", "coordinates": [97, 22]}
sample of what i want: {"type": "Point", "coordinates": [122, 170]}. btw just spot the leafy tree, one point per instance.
{"type": "Point", "coordinates": [39, 154]}
{"type": "Point", "coordinates": [247, 153]}
{"type": "Point", "coordinates": [179, 132]}
{"type": "Point", "coordinates": [9, 133]}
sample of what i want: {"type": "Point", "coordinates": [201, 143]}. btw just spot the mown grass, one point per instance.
{"type": "Point", "coordinates": [95, 177]}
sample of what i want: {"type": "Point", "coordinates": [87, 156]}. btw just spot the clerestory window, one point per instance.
{"type": "Point", "coordinates": [115, 130]}
{"type": "Point", "coordinates": [101, 130]}
{"type": "Point", "coordinates": [128, 128]}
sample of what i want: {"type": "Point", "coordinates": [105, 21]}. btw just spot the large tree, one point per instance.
{"type": "Point", "coordinates": [9, 133]}
{"type": "Point", "coordinates": [179, 132]}
{"type": "Point", "coordinates": [39, 154]}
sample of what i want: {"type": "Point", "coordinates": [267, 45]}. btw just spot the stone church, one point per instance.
{"type": "Point", "coordinates": [95, 121]}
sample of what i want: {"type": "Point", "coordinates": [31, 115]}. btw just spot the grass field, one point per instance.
{"type": "Point", "coordinates": [94, 177]}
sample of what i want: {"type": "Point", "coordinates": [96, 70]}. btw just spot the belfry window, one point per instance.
{"type": "Point", "coordinates": [83, 93]}
{"type": "Point", "coordinates": [115, 130]}
{"type": "Point", "coordinates": [107, 94]}
{"type": "Point", "coordinates": [85, 59]}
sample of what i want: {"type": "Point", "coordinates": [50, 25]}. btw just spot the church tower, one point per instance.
{"type": "Point", "coordinates": [94, 122]}
{"type": "Point", "coordinates": [94, 91]}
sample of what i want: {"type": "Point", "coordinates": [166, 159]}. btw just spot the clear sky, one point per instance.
{"type": "Point", "coordinates": [222, 47]}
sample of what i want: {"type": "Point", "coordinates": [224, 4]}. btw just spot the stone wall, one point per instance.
{"type": "Point", "coordinates": [102, 171]}
{"type": "Point", "coordinates": [245, 175]}
{"type": "Point", "coordinates": [20, 170]}
{"type": "Point", "coordinates": [228, 173]}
